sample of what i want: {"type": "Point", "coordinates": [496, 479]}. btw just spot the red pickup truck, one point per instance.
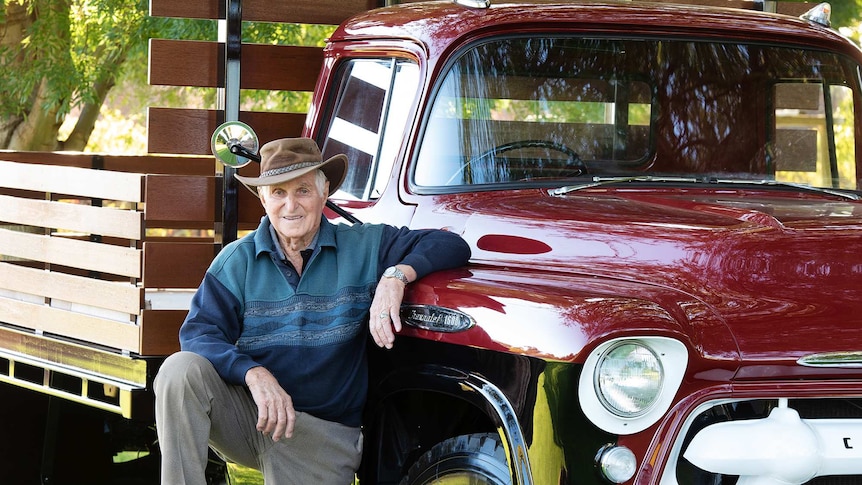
{"type": "Point", "coordinates": [664, 206]}
{"type": "Point", "coordinates": [663, 203]}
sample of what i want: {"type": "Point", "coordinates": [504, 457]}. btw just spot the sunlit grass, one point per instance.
{"type": "Point", "coordinates": [240, 475]}
{"type": "Point", "coordinates": [126, 456]}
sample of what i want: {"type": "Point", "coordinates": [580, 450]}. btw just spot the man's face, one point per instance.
{"type": "Point", "coordinates": [294, 207]}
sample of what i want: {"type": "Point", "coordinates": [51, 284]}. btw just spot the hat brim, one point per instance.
{"type": "Point", "coordinates": [334, 168]}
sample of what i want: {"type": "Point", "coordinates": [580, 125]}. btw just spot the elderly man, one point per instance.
{"type": "Point", "coordinates": [272, 372]}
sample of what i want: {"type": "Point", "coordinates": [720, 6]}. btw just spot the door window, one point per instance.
{"type": "Point", "coordinates": [375, 98]}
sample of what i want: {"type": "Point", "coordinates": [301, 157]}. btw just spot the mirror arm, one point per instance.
{"type": "Point", "coordinates": [239, 150]}
{"type": "Point", "coordinates": [341, 212]}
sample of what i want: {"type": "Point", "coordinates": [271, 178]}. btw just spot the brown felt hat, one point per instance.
{"type": "Point", "coordinates": [289, 158]}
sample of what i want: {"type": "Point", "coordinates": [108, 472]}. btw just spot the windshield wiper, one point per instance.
{"type": "Point", "coordinates": [792, 185]}
{"type": "Point", "coordinates": [599, 181]}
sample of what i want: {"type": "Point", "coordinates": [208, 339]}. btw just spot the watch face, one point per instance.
{"type": "Point", "coordinates": [393, 272]}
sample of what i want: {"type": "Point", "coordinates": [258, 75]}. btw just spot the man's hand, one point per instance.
{"type": "Point", "coordinates": [385, 312]}
{"type": "Point", "coordinates": [275, 413]}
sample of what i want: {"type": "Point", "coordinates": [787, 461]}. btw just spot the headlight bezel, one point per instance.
{"type": "Point", "coordinates": [672, 356]}
{"type": "Point", "coordinates": [605, 397]}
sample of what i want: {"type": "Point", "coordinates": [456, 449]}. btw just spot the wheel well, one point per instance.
{"type": "Point", "coordinates": [408, 423]}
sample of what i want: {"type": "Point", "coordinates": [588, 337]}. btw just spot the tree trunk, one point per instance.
{"type": "Point", "coordinates": [38, 131]}
{"type": "Point", "coordinates": [40, 122]}
{"type": "Point", "coordinates": [12, 33]}
{"type": "Point", "coordinates": [80, 135]}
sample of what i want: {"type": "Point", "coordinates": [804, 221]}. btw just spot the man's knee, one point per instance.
{"type": "Point", "coordinates": [181, 369]}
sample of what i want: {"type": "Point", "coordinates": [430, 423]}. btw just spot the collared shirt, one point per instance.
{"type": "Point", "coordinates": [289, 270]}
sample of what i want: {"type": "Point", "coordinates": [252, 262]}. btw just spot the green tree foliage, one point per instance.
{"type": "Point", "coordinates": [57, 55]}
{"type": "Point", "coordinates": [846, 13]}
{"type": "Point", "coordinates": [62, 58]}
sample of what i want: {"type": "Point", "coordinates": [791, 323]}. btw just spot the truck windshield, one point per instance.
{"type": "Point", "coordinates": [530, 110]}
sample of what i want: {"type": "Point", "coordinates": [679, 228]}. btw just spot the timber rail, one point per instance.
{"type": "Point", "coordinates": [98, 258]}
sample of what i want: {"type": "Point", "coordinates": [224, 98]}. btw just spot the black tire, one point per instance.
{"type": "Point", "coordinates": [479, 458]}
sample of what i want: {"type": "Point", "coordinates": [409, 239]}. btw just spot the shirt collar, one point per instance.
{"type": "Point", "coordinates": [266, 240]}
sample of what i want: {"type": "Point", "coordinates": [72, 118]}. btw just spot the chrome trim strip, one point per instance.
{"type": "Point", "coordinates": [471, 388]}
{"type": "Point", "coordinates": [101, 364]}
{"type": "Point", "coordinates": [832, 359]}
{"type": "Point", "coordinates": [517, 446]}
{"type": "Point", "coordinates": [474, 3]}
{"type": "Point", "coordinates": [71, 371]}
{"type": "Point", "coordinates": [117, 395]}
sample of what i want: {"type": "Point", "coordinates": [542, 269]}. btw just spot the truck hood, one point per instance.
{"type": "Point", "coordinates": [781, 269]}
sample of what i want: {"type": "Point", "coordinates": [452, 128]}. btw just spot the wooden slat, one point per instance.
{"type": "Point", "coordinates": [794, 8]}
{"type": "Point", "coordinates": [118, 335]}
{"type": "Point", "coordinates": [120, 297]}
{"type": "Point", "coordinates": [179, 198]}
{"type": "Point", "coordinates": [250, 208]}
{"type": "Point", "coordinates": [84, 182]}
{"type": "Point", "coordinates": [90, 256]}
{"type": "Point", "coordinates": [161, 164]}
{"type": "Point", "coordinates": [49, 158]}
{"type": "Point", "coordinates": [74, 217]}
{"type": "Point", "coordinates": [160, 330]}
{"type": "Point", "coordinates": [188, 131]}
{"type": "Point", "coordinates": [329, 12]}
{"type": "Point", "coordinates": [203, 56]}
{"type": "Point", "coordinates": [176, 265]}
{"type": "Point", "coordinates": [194, 63]}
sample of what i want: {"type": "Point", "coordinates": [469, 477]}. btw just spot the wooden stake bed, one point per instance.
{"type": "Point", "coordinates": [97, 268]}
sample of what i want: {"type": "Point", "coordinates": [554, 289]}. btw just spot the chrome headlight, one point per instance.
{"type": "Point", "coordinates": [627, 384]}
{"type": "Point", "coordinates": [629, 378]}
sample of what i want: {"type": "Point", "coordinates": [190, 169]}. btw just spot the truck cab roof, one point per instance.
{"type": "Point", "coordinates": [424, 23]}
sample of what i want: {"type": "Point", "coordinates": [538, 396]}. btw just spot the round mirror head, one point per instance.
{"type": "Point", "coordinates": [235, 144]}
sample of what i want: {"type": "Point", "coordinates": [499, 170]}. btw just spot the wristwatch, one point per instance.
{"type": "Point", "coordinates": [393, 272]}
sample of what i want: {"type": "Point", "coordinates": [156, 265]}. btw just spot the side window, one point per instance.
{"type": "Point", "coordinates": [814, 140]}
{"type": "Point", "coordinates": [374, 99]}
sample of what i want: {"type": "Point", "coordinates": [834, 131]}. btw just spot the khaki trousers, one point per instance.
{"type": "Point", "coordinates": [196, 408]}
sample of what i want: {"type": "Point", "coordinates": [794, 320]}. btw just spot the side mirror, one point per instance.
{"type": "Point", "coordinates": [235, 144]}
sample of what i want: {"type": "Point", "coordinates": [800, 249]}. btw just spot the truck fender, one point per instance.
{"type": "Point", "coordinates": [477, 391]}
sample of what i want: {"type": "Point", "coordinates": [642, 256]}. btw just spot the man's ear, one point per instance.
{"type": "Point", "coordinates": [326, 189]}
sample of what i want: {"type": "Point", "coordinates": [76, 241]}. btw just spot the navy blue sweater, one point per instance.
{"type": "Point", "coordinates": [310, 332]}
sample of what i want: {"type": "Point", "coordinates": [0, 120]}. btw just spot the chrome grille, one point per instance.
{"type": "Point", "coordinates": [826, 408]}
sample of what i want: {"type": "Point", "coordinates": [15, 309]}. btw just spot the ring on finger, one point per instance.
{"type": "Point", "coordinates": [383, 315]}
